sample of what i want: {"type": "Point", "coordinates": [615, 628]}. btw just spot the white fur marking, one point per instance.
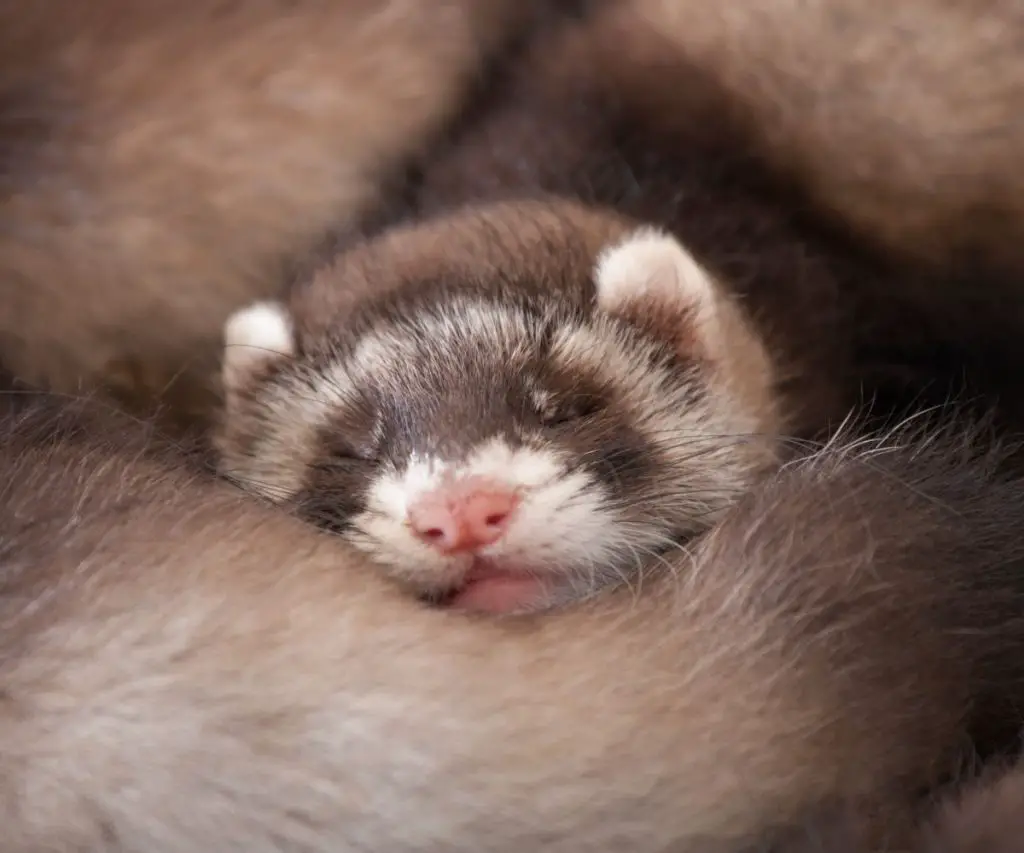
{"type": "Point", "coordinates": [652, 264]}
{"type": "Point", "coordinates": [523, 468]}
{"type": "Point", "coordinates": [263, 324]}
{"type": "Point", "coordinates": [253, 336]}
{"type": "Point", "coordinates": [560, 520]}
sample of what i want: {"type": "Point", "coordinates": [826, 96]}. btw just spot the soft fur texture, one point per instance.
{"type": "Point", "coordinates": [624, 406]}
{"type": "Point", "coordinates": [161, 163]}
{"type": "Point", "coordinates": [899, 123]}
{"type": "Point", "coordinates": [186, 670]}
{"type": "Point", "coordinates": [985, 815]}
{"type": "Point", "coordinates": [901, 118]}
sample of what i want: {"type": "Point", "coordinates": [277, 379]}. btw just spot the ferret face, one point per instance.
{"type": "Point", "coordinates": [506, 448]}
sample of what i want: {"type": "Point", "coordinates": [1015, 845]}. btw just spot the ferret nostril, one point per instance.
{"type": "Point", "coordinates": [496, 519]}
{"type": "Point", "coordinates": [434, 533]}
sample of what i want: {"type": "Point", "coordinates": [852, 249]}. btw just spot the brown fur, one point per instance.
{"type": "Point", "coordinates": [140, 154]}
{"type": "Point", "coordinates": [902, 118]}
{"type": "Point", "coordinates": [617, 113]}
{"type": "Point", "coordinates": [987, 817]}
{"type": "Point", "coordinates": [185, 670]}
{"type": "Point", "coordinates": [664, 404]}
{"type": "Point", "coordinates": [161, 163]}
{"type": "Point", "coordinates": [898, 124]}
{"type": "Point", "coordinates": [552, 243]}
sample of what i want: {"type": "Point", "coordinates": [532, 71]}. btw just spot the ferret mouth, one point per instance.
{"type": "Point", "coordinates": [492, 587]}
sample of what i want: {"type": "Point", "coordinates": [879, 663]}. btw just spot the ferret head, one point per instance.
{"type": "Point", "coordinates": [513, 440]}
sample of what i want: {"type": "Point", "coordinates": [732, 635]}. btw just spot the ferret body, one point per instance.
{"type": "Point", "coordinates": [901, 121]}
{"type": "Point", "coordinates": [162, 164]}
{"type": "Point", "coordinates": [406, 402]}
{"type": "Point", "coordinates": [184, 669]}
{"type": "Point", "coordinates": [723, 129]}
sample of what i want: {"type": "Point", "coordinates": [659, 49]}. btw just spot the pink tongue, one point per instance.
{"type": "Point", "coordinates": [499, 593]}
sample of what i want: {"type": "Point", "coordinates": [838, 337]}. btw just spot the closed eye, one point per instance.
{"type": "Point", "coordinates": [341, 453]}
{"type": "Point", "coordinates": [347, 456]}
{"type": "Point", "coordinates": [338, 463]}
{"type": "Point", "coordinates": [353, 443]}
{"type": "Point", "coordinates": [565, 412]}
{"type": "Point", "coordinates": [558, 417]}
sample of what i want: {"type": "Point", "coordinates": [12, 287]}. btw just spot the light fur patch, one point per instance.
{"type": "Point", "coordinates": [562, 521]}
{"type": "Point", "coordinates": [253, 336]}
{"type": "Point", "coordinates": [520, 468]}
{"type": "Point", "coordinates": [653, 266]}
{"type": "Point", "coordinates": [387, 348]}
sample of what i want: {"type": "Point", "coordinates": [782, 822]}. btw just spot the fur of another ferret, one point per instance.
{"type": "Point", "coordinates": [899, 125]}
{"type": "Point", "coordinates": [163, 163]}
{"type": "Point", "coordinates": [985, 815]}
{"type": "Point", "coordinates": [901, 120]}
{"type": "Point", "coordinates": [184, 669]}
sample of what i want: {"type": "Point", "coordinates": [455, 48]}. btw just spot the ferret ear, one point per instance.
{"type": "Point", "coordinates": [649, 279]}
{"type": "Point", "coordinates": [254, 338]}
{"type": "Point", "coordinates": [652, 280]}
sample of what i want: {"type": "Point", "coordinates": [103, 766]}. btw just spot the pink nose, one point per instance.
{"type": "Point", "coordinates": [463, 515]}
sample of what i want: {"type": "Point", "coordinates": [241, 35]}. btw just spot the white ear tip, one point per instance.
{"type": "Point", "coordinates": [643, 247]}
{"type": "Point", "coordinates": [266, 326]}
{"type": "Point", "coordinates": [649, 262]}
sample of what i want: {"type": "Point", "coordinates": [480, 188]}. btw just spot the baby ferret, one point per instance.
{"type": "Point", "coordinates": [184, 669]}
{"type": "Point", "coordinates": [507, 441]}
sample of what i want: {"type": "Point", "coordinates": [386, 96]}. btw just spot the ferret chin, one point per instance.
{"type": "Point", "coordinates": [511, 442]}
